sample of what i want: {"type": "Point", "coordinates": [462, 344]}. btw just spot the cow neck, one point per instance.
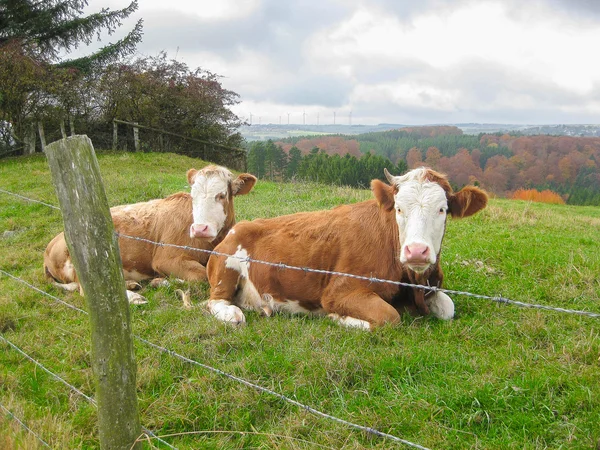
{"type": "Point", "coordinates": [229, 223]}
{"type": "Point", "coordinates": [385, 231]}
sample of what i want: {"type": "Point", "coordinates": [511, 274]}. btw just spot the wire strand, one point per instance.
{"type": "Point", "coordinates": [248, 383]}
{"type": "Point", "coordinates": [497, 299]}
{"type": "Point", "coordinates": [24, 425]}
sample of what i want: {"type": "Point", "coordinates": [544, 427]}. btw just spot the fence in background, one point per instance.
{"type": "Point", "coordinates": [157, 140]}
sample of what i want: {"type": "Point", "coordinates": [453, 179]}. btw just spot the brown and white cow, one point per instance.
{"type": "Point", "coordinates": [396, 236]}
{"type": "Point", "coordinates": [200, 220]}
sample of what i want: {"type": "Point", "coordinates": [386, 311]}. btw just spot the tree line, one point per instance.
{"type": "Point", "coordinates": [270, 161]}
{"type": "Point", "coordinates": [500, 163]}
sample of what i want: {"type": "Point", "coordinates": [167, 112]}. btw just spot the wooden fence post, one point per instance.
{"type": "Point", "coordinates": [89, 232]}
{"type": "Point", "coordinates": [115, 135]}
{"type": "Point", "coordinates": [29, 140]}
{"type": "Point", "coordinates": [136, 138]}
{"type": "Point", "coordinates": [42, 135]}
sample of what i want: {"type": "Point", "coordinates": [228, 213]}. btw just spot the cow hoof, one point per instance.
{"type": "Point", "coordinates": [159, 282]}
{"type": "Point", "coordinates": [227, 313]}
{"type": "Point", "coordinates": [135, 298]}
{"type": "Point", "coordinates": [131, 285]}
{"type": "Point", "coordinates": [350, 322]}
{"type": "Point", "coordinates": [441, 306]}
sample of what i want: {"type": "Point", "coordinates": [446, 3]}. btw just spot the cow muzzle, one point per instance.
{"type": "Point", "coordinates": [417, 257]}
{"type": "Point", "coordinates": [202, 231]}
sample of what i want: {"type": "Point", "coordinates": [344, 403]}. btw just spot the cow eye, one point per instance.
{"type": "Point", "coordinates": [221, 196]}
{"type": "Point", "coordinates": [442, 210]}
{"type": "Point", "coordinates": [399, 211]}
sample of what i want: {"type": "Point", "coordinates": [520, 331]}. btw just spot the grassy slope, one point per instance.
{"type": "Point", "coordinates": [497, 377]}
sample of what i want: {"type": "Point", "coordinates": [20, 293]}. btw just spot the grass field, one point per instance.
{"type": "Point", "coordinates": [496, 377]}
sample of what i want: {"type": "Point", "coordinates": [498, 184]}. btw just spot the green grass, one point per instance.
{"type": "Point", "coordinates": [496, 377]}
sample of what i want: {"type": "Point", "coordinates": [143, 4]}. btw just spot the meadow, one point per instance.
{"type": "Point", "coordinates": [496, 377]}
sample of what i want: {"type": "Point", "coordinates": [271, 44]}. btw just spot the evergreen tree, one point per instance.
{"type": "Point", "coordinates": [256, 159]}
{"type": "Point", "coordinates": [45, 28]}
{"type": "Point", "coordinates": [295, 158]}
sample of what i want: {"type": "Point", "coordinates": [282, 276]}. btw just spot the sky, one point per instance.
{"type": "Point", "coordinates": [412, 62]}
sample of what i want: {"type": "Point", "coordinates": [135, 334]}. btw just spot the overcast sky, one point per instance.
{"type": "Point", "coordinates": [392, 61]}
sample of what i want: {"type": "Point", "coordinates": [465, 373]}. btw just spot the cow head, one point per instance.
{"type": "Point", "coordinates": [213, 189]}
{"type": "Point", "coordinates": [422, 199]}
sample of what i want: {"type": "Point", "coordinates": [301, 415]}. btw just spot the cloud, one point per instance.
{"type": "Point", "coordinates": [413, 61]}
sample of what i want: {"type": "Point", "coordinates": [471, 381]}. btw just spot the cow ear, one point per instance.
{"type": "Point", "coordinates": [384, 194]}
{"type": "Point", "coordinates": [243, 184]}
{"type": "Point", "coordinates": [190, 176]}
{"type": "Point", "coordinates": [466, 202]}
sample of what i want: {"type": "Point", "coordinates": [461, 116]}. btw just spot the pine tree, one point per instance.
{"type": "Point", "coordinates": [295, 158]}
{"type": "Point", "coordinates": [45, 28]}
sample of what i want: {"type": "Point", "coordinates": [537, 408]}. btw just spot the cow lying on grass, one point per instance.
{"type": "Point", "coordinates": [396, 236]}
{"type": "Point", "coordinates": [200, 220]}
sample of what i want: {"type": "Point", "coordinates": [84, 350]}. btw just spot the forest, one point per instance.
{"type": "Point", "coordinates": [500, 163]}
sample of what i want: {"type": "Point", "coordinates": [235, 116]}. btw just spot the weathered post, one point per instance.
{"type": "Point", "coordinates": [42, 135]}
{"type": "Point", "coordinates": [89, 233]}
{"type": "Point", "coordinates": [29, 140]}
{"type": "Point", "coordinates": [136, 138]}
{"type": "Point", "coordinates": [115, 135]}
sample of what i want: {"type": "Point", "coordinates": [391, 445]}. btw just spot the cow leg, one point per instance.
{"type": "Point", "coordinates": [134, 298]}
{"type": "Point", "coordinates": [224, 284]}
{"type": "Point", "coordinates": [358, 307]}
{"type": "Point", "coordinates": [440, 305]}
{"type": "Point", "coordinates": [178, 267]}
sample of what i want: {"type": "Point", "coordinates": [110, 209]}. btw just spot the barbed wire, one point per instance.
{"type": "Point", "coordinates": [30, 199]}
{"type": "Point", "coordinates": [69, 385]}
{"type": "Point", "coordinates": [24, 425]}
{"type": "Point", "coordinates": [68, 305]}
{"type": "Point", "coordinates": [497, 299]}
{"type": "Point", "coordinates": [241, 380]}
{"type": "Point", "coordinates": [48, 371]}
{"type": "Point", "coordinates": [283, 397]}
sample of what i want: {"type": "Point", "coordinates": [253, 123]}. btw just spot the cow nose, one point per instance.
{"type": "Point", "coordinates": [199, 230]}
{"type": "Point", "coordinates": [417, 253]}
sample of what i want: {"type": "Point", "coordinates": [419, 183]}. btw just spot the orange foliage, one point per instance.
{"type": "Point", "coordinates": [331, 145]}
{"type": "Point", "coordinates": [533, 195]}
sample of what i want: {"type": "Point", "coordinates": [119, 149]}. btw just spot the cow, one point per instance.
{"type": "Point", "coordinates": [395, 236]}
{"type": "Point", "coordinates": [199, 220]}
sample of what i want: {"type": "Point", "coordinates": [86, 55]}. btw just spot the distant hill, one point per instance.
{"type": "Point", "coordinates": [258, 132]}
{"type": "Point", "coordinates": [500, 162]}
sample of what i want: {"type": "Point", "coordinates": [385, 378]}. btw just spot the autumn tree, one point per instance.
{"type": "Point", "coordinates": [432, 158]}
{"type": "Point", "coordinates": [165, 93]}
{"type": "Point", "coordinates": [414, 158]}
{"type": "Point", "coordinates": [35, 83]}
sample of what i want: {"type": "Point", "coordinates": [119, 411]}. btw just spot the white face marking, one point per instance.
{"type": "Point", "coordinates": [209, 196]}
{"type": "Point", "coordinates": [421, 208]}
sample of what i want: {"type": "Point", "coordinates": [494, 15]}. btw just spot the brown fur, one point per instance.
{"type": "Point", "coordinates": [164, 220]}
{"type": "Point", "coordinates": [359, 239]}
